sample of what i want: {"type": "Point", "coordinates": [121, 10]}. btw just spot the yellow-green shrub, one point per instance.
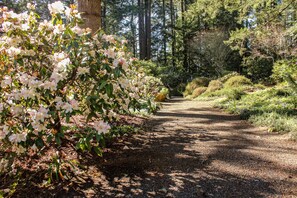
{"type": "Point", "coordinates": [162, 95]}
{"type": "Point", "coordinates": [198, 91]}
{"type": "Point", "coordinates": [228, 76]}
{"type": "Point", "coordinates": [237, 81]}
{"type": "Point", "coordinates": [197, 82]}
{"type": "Point", "coordinates": [214, 85]}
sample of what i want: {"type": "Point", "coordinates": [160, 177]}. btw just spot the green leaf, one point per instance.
{"type": "Point", "coordinates": [58, 140]}
{"type": "Point", "coordinates": [109, 90]}
{"type": "Point", "coordinates": [98, 151]}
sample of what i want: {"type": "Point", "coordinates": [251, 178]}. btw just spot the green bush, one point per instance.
{"type": "Point", "coordinates": [237, 81]}
{"type": "Point", "coordinates": [214, 85]}
{"type": "Point", "coordinates": [197, 82]}
{"type": "Point", "coordinates": [286, 71]}
{"type": "Point", "coordinates": [198, 91]}
{"type": "Point", "coordinates": [235, 94]}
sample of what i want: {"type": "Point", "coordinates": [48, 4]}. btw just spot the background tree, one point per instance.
{"type": "Point", "coordinates": [91, 10]}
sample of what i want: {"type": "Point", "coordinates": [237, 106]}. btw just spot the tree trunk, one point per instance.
{"type": "Point", "coordinates": [164, 32]}
{"type": "Point", "coordinates": [185, 51]}
{"type": "Point", "coordinates": [142, 37]}
{"type": "Point", "coordinates": [148, 27]}
{"type": "Point", "coordinates": [103, 18]}
{"type": "Point", "coordinates": [172, 16]}
{"type": "Point", "coordinates": [133, 31]}
{"type": "Point", "coordinates": [91, 10]}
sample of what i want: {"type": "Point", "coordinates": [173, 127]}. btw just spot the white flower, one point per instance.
{"type": "Point", "coordinates": [7, 26]}
{"type": "Point", "coordinates": [59, 56]}
{"type": "Point", "coordinates": [58, 29]}
{"type": "Point", "coordinates": [101, 127]}
{"type": "Point", "coordinates": [59, 102]}
{"type": "Point", "coordinates": [110, 53]}
{"type": "Point", "coordinates": [17, 138]}
{"type": "Point", "coordinates": [23, 16]}
{"type": "Point", "coordinates": [68, 12]}
{"type": "Point", "coordinates": [67, 107]}
{"type": "Point", "coordinates": [16, 110]}
{"type": "Point", "coordinates": [56, 77]}
{"type": "Point", "coordinates": [38, 126]}
{"type": "Point", "coordinates": [1, 107]}
{"type": "Point", "coordinates": [108, 38]}
{"type": "Point", "coordinates": [19, 149]}
{"type": "Point", "coordinates": [30, 6]}
{"type": "Point", "coordinates": [123, 63]}
{"type": "Point", "coordinates": [115, 63]}
{"type": "Point", "coordinates": [62, 65]}
{"type": "Point", "coordinates": [6, 82]}
{"type": "Point", "coordinates": [77, 30]}
{"type": "Point", "coordinates": [74, 103]}
{"type": "Point", "coordinates": [50, 85]}
{"type": "Point", "coordinates": [25, 26]}
{"type": "Point", "coordinates": [10, 14]}
{"type": "Point", "coordinates": [27, 93]}
{"type": "Point", "coordinates": [56, 7]}
{"type": "Point", "coordinates": [83, 70]}
{"type": "Point", "coordinates": [12, 51]}
{"type": "Point", "coordinates": [42, 114]}
{"type": "Point", "coordinates": [13, 41]}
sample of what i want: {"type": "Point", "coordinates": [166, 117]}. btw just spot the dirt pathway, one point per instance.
{"type": "Point", "coordinates": [193, 150]}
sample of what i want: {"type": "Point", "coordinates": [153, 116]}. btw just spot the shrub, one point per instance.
{"type": "Point", "coordinates": [226, 77]}
{"type": "Point", "coordinates": [53, 71]}
{"type": "Point", "coordinates": [198, 91]}
{"type": "Point", "coordinates": [237, 81]}
{"type": "Point", "coordinates": [214, 85]}
{"type": "Point", "coordinates": [235, 94]}
{"type": "Point", "coordinates": [286, 71]}
{"type": "Point", "coordinates": [197, 82]}
{"type": "Point", "coordinates": [162, 95]}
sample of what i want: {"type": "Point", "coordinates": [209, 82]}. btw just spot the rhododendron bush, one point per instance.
{"type": "Point", "coordinates": [51, 71]}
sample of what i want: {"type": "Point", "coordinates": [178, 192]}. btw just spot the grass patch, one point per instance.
{"type": "Point", "coordinates": [275, 108]}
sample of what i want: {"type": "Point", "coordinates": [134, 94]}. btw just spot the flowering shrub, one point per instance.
{"type": "Point", "coordinates": [51, 71]}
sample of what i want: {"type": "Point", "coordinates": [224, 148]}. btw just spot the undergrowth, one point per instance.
{"type": "Point", "coordinates": [275, 108]}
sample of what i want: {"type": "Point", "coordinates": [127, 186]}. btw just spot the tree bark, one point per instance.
{"type": "Point", "coordinates": [185, 51]}
{"type": "Point", "coordinates": [141, 30]}
{"type": "Point", "coordinates": [148, 29]}
{"type": "Point", "coordinates": [164, 32]}
{"type": "Point", "coordinates": [133, 31]}
{"type": "Point", "coordinates": [91, 10]}
{"type": "Point", "coordinates": [172, 16]}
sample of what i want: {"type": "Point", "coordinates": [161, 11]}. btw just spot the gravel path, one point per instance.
{"type": "Point", "coordinates": [193, 150]}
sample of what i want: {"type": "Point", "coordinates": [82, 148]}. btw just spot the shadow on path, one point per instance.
{"type": "Point", "coordinates": [191, 150]}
